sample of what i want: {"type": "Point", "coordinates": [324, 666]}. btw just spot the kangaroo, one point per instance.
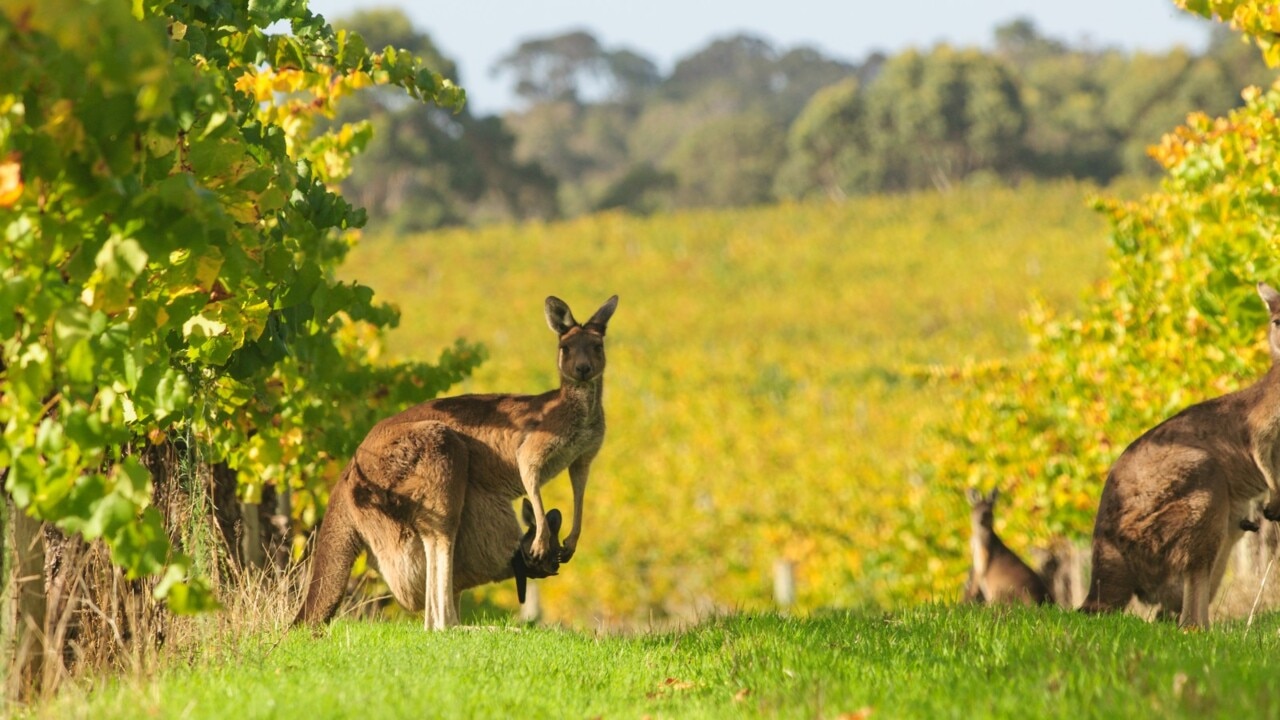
{"type": "Point", "coordinates": [998, 574]}
{"type": "Point", "coordinates": [429, 490]}
{"type": "Point", "coordinates": [1181, 495]}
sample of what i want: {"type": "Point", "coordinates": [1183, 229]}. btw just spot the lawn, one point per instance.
{"type": "Point", "coordinates": [926, 662]}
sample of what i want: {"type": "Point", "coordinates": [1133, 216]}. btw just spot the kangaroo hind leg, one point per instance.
{"type": "Point", "coordinates": [438, 486]}
{"type": "Point", "coordinates": [1196, 594]}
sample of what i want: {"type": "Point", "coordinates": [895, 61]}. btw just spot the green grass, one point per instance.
{"type": "Point", "coordinates": [927, 662]}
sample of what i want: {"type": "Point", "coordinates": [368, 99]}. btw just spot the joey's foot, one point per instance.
{"type": "Point", "coordinates": [539, 567]}
{"type": "Point", "coordinates": [522, 572]}
{"type": "Point", "coordinates": [1248, 525]}
{"type": "Point", "coordinates": [1272, 511]}
{"type": "Point", "coordinates": [566, 554]}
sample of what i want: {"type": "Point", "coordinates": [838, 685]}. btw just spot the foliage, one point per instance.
{"type": "Point", "coordinates": [169, 236]}
{"type": "Point", "coordinates": [823, 146]}
{"type": "Point", "coordinates": [1032, 106]}
{"type": "Point", "coordinates": [941, 116]}
{"type": "Point", "coordinates": [1176, 321]}
{"type": "Point", "coordinates": [920, 663]}
{"type": "Point", "coordinates": [727, 162]}
{"type": "Point", "coordinates": [1257, 20]}
{"type": "Point", "coordinates": [761, 397]}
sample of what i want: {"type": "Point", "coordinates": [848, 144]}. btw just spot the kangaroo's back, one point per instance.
{"type": "Point", "coordinates": [1175, 501]}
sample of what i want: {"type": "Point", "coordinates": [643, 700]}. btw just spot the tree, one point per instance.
{"type": "Point", "coordinates": [426, 166]}
{"type": "Point", "coordinates": [169, 310]}
{"type": "Point", "coordinates": [560, 67]}
{"type": "Point", "coordinates": [727, 162]}
{"type": "Point", "coordinates": [827, 146]}
{"type": "Point", "coordinates": [1019, 42]}
{"type": "Point", "coordinates": [1067, 131]}
{"type": "Point", "coordinates": [926, 120]}
{"type": "Point", "coordinates": [937, 117]}
{"type": "Point", "coordinates": [744, 73]}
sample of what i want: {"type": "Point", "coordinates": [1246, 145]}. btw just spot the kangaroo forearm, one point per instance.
{"type": "Point", "coordinates": [578, 477]}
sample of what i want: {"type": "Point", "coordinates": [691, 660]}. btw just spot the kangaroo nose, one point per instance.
{"type": "Point", "coordinates": [583, 370]}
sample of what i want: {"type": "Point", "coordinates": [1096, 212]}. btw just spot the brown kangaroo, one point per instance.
{"type": "Point", "coordinates": [998, 574]}
{"type": "Point", "coordinates": [1179, 497]}
{"type": "Point", "coordinates": [429, 490]}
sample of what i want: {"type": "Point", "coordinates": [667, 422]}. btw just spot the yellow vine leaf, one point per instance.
{"type": "Point", "coordinates": [10, 181]}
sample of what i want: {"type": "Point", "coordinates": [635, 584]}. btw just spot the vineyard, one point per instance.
{"type": "Point", "coordinates": [769, 379]}
{"type": "Point", "coordinates": [195, 337]}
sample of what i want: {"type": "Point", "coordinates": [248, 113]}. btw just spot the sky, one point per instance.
{"type": "Point", "coordinates": [477, 33]}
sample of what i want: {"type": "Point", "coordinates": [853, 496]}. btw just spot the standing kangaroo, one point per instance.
{"type": "Point", "coordinates": [1179, 497]}
{"type": "Point", "coordinates": [998, 574]}
{"type": "Point", "coordinates": [429, 490]}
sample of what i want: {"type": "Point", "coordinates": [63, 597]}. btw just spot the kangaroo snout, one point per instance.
{"type": "Point", "coordinates": [583, 370]}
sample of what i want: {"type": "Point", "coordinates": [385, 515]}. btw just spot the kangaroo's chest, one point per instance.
{"type": "Point", "coordinates": [560, 450]}
{"type": "Point", "coordinates": [981, 556]}
{"type": "Point", "coordinates": [1267, 442]}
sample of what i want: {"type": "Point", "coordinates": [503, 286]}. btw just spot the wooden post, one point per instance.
{"type": "Point", "coordinates": [784, 583]}
{"type": "Point", "coordinates": [251, 537]}
{"type": "Point", "coordinates": [531, 610]}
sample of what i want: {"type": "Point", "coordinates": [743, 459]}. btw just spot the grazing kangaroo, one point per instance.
{"type": "Point", "coordinates": [998, 574]}
{"type": "Point", "coordinates": [1179, 497]}
{"type": "Point", "coordinates": [429, 490]}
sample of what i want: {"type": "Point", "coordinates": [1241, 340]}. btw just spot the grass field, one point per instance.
{"type": "Point", "coordinates": [762, 395]}
{"type": "Point", "coordinates": [926, 662]}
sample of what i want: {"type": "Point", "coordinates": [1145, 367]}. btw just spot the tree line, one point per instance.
{"type": "Point", "coordinates": [742, 122]}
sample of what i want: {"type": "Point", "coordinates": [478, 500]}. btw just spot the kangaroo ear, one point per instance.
{"type": "Point", "coordinates": [554, 520]}
{"type": "Point", "coordinates": [991, 496]}
{"type": "Point", "coordinates": [973, 495]}
{"type": "Point", "coordinates": [600, 320]}
{"type": "Point", "coordinates": [1270, 297]}
{"type": "Point", "coordinates": [526, 511]}
{"type": "Point", "coordinates": [559, 317]}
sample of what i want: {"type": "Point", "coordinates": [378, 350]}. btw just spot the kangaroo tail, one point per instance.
{"type": "Point", "coordinates": [337, 544]}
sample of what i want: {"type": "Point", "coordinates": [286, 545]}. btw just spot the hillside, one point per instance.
{"type": "Point", "coordinates": [760, 397]}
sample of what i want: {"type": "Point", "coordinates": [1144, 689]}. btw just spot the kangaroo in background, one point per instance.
{"type": "Point", "coordinates": [998, 574]}
{"type": "Point", "coordinates": [429, 490]}
{"type": "Point", "coordinates": [1181, 495]}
